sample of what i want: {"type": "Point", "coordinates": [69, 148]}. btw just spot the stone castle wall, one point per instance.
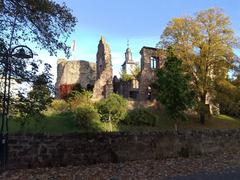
{"type": "Point", "coordinates": [147, 74]}
{"type": "Point", "coordinates": [71, 73]}
{"type": "Point", "coordinates": [97, 75]}
{"type": "Point", "coordinates": [29, 151]}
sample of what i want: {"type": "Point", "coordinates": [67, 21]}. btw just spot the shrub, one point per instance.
{"type": "Point", "coordinates": [80, 99]}
{"type": "Point", "coordinates": [59, 106]}
{"type": "Point", "coordinates": [113, 108]}
{"type": "Point", "coordinates": [87, 117]}
{"type": "Point", "coordinates": [140, 116]}
{"type": "Point", "coordinates": [229, 102]}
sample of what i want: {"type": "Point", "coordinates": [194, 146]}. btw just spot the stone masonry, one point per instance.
{"type": "Point", "coordinates": [30, 151]}
{"type": "Point", "coordinates": [71, 73]}
{"type": "Point", "coordinates": [103, 85]}
{"type": "Point", "coordinates": [148, 67]}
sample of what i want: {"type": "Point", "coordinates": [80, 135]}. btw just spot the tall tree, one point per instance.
{"type": "Point", "coordinates": [37, 100]}
{"type": "Point", "coordinates": [205, 44]}
{"type": "Point", "coordinates": [173, 88]}
{"type": "Point", "coordinates": [44, 22]}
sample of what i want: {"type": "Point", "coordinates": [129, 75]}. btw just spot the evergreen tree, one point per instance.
{"type": "Point", "coordinates": [173, 88]}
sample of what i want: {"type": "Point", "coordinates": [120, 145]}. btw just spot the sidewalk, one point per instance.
{"type": "Point", "coordinates": [177, 168]}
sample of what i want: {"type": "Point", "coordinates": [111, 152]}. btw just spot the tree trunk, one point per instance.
{"type": "Point", "coordinates": [110, 122]}
{"type": "Point", "coordinates": [202, 117]}
{"type": "Point", "coordinates": [176, 126]}
{"type": "Point", "coordinates": [202, 110]}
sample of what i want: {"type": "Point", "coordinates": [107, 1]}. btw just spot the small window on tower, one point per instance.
{"type": "Point", "coordinates": [153, 62]}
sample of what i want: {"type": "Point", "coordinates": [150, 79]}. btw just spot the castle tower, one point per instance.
{"type": "Point", "coordinates": [103, 86]}
{"type": "Point", "coordinates": [103, 57]}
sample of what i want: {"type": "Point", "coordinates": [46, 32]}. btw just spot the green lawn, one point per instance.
{"type": "Point", "coordinates": [54, 123]}
{"type": "Point", "coordinates": [64, 123]}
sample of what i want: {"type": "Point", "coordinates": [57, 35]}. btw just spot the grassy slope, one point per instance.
{"type": "Point", "coordinates": [64, 123]}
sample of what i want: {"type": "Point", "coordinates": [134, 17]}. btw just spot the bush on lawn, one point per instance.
{"type": "Point", "coordinates": [113, 108]}
{"type": "Point", "coordinates": [59, 106]}
{"type": "Point", "coordinates": [139, 117]}
{"type": "Point", "coordinates": [87, 117]}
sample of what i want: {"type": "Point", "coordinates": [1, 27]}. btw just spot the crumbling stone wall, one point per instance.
{"type": "Point", "coordinates": [71, 73]}
{"type": "Point", "coordinates": [29, 151]}
{"type": "Point", "coordinates": [103, 85]}
{"type": "Point", "coordinates": [147, 74]}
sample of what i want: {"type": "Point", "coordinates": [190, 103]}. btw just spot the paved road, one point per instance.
{"type": "Point", "coordinates": [230, 174]}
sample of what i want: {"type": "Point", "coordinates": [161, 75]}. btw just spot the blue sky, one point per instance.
{"type": "Point", "coordinates": [140, 21]}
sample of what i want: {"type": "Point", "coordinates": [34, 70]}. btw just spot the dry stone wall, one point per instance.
{"type": "Point", "coordinates": [29, 151]}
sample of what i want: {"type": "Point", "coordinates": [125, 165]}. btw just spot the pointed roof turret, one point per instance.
{"type": "Point", "coordinates": [128, 55]}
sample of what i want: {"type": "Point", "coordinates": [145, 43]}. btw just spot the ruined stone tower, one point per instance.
{"type": "Point", "coordinates": [103, 85]}
{"type": "Point", "coordinates": [151, 59]}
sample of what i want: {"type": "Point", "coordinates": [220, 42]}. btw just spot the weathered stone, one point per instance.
{"type": "Point", "coordinates": [70, 73]}
{"type": "Point", "coordinates": [76, 149]}
{"type": "Point", "coordinates": [139, 89]}
{"type": "Point", "coordinates": [148, 68]}
{"type": "Point", "coordinates": [103, 85]}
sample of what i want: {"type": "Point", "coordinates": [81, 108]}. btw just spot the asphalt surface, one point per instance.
{"type": "Point", "coordinates": [229, 174]}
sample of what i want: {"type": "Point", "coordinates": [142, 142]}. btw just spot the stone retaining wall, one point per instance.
{"type": "Point", "coordinates": [28, 151]}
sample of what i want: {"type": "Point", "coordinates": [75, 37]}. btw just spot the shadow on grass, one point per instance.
{"type": "Point", "coordinates": [64, 123]}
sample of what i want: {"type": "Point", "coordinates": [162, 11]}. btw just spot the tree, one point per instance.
{"type": "Point", "coordinates": [112, 109]}
{"type": "Point", "coordinates": [205, 44]}
{"type": "Point", "coordinates": [42, 90]}
{"type": "Point", "coordinates": [173, 88]}
{"type": "Point", "coordinates": [80, 99]}
{"type": "Point", "coordinates": [44, 22]}
{"type": "Point", "coordinates": [125, 77]}
{"type": "Point", "coordinates": [37, 100]}
{"type": "Point", "coordinates": [134, 74]}
{"type": "Point", "coordinates": [229, 102]}
{"type": "Point", "coordinates": [136, 71]}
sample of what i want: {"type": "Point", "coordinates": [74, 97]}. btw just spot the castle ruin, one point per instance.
{"type": "Point", "coordinates": [103, 85]}
{"type": "Point", "coordinates": [99, 75]}
{"type": "Point", "coordinates": [91, 76]}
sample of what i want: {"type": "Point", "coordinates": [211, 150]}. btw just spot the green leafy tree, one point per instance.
{"type": "Point", "coordinates": [136, 71]}
{"type": "Point", "coordinates": [228, 97]}
{"type": "Point", "coordinates": [85, 113]}
{"type": "Point", "coordinates": [205, 44]}
{"type": "Point", "coordinates": [140, 117]}
{"type": "Point", "coordinates": [87, 117]}
{"type": "Point", "coordinates": [31, 107]}
{"type": "Point", "coordinates": [44, 22]}
{"type": "Point", "coordinates": [41, 93]}
{"type": "Point", "coordinates": [80, 99]}
{"type": "Point", "coordinates": [113, 108]}
{"type": "Point", "coordinates": [173, 88]}
{"type": "Point", "coordinates": [125, 77]}
{"type": "Point", "coordinates": [134, 74]}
